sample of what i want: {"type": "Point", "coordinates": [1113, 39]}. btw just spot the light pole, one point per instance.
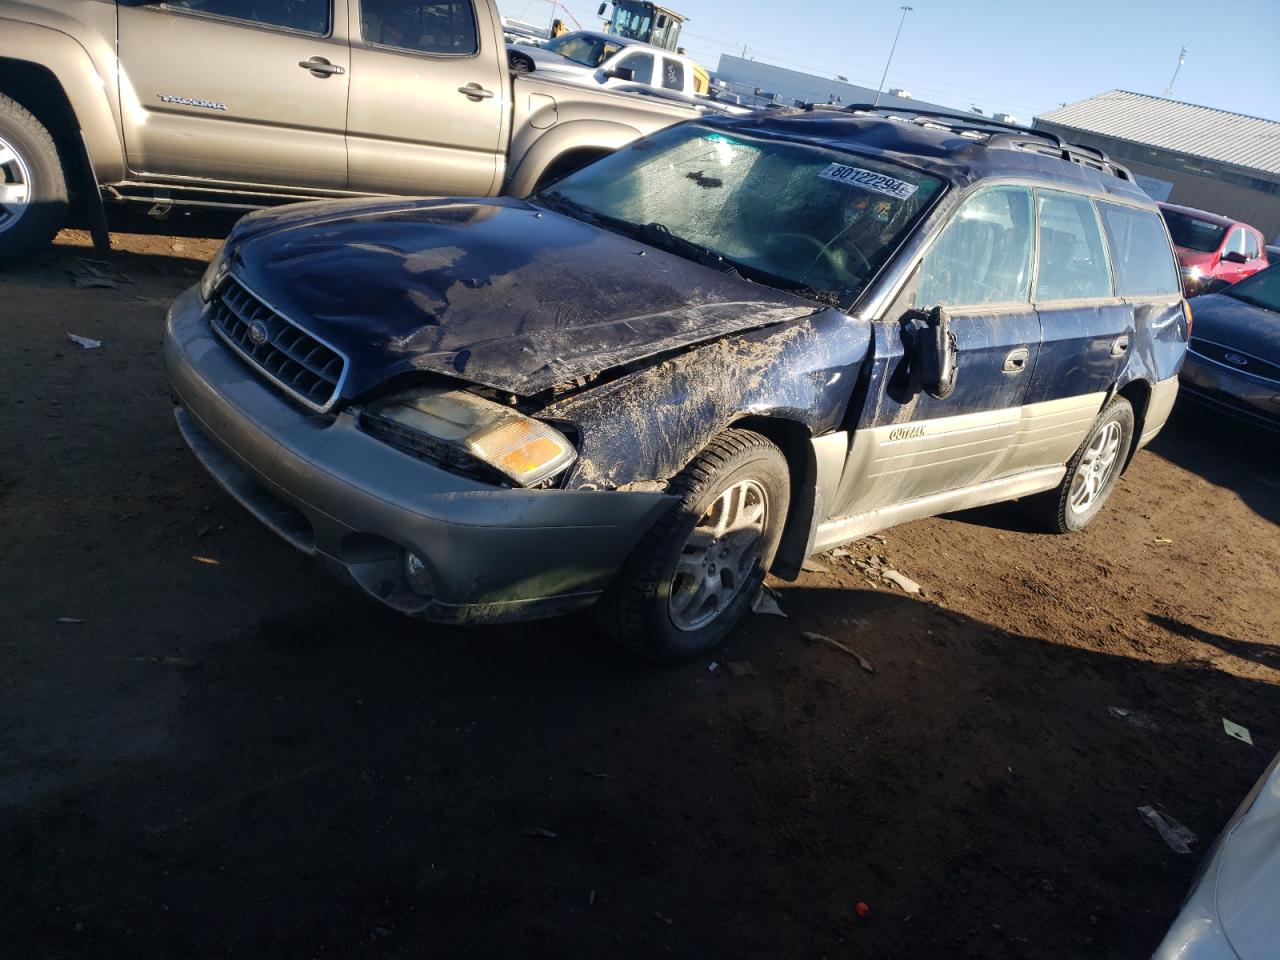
{"type": "Point", "coordinates": [905, 10]}
{"type": "Point", "coordinates": [1182, 56]}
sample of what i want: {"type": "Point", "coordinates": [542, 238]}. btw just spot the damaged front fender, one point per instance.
{"type": "Point", "coordinates": [644, 427]}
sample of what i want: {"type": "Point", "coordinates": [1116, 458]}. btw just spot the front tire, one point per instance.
{"type": "Point", "coordinates": [693, 576]}
{"type": "Point", "coordinates": [1091, 474]}
{"type": "Point", "coordinates": [33, 187]}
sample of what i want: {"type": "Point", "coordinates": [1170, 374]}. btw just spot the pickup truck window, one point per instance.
{"type": "Point", "coordinates": [983, 255]}
{"type": "Point", "coordinates": [447, 27]}
{"type": "Point", "coordinates": [1140, 254]}
{"type": "Point", "coordinates": [672, 74]}
{"type": "Point", "coordinates": [1073, 264]}
{"type": "Point", "coordinates": [309, 16]}
{"type": "Point", "coordinates": [793, 215]}
{"type": "Point", "coordinates": [641, 64]}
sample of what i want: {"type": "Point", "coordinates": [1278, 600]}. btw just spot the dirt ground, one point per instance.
{"type": "Point", "coordinates": [228, 755]}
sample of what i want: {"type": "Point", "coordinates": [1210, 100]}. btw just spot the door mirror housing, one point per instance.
{"type": "Point", "coordinates": [600, 12]}
{"type": "Point", "coordinates": [1235, 256]}
{"type": "Point", "coordinates": [625, 74]}
{"type": "Point", "coordinates": [932, 355]}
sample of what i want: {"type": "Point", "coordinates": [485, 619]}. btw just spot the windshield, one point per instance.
{"type": "Point", "coordinates": [1193, 233]}
{"type": "Point", "coordinates": [580, 48]}
{"type": "Point", "coordinates": [1261, 290]}
{"type": "Point", "coordinates": [793, 215]}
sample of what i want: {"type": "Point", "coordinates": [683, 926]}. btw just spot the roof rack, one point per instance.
{"type": "Point", "coordinates": [1004, 134]}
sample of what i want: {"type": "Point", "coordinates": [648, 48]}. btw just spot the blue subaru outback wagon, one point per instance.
{"type": "Point", "coordinates": [725, 347]}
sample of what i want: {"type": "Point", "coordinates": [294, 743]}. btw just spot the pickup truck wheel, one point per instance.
{"type": "Point", "coordinates": [33, 188]}
{"type": "Point", "coordinates": [1091, 474]}
{"type": "Point", "coordinates": [693, 576]}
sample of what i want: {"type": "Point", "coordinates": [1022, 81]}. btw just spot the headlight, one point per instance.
{"type": "Point", "coordinates": [213, 275]}
{"type": "Point", "coordinates": [459, 429]}
{"type": "Point", "coordinates": [1192, 273]}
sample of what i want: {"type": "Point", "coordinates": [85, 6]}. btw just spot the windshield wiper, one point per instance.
{"type": "Point", "coordinates": [562, 204]}
{"type": "Point", "coordinates": [660, 235]}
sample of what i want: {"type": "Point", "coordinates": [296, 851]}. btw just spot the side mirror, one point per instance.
{"type": "Point", "coordinates": [625, 74]}
{"type": "Point", "coordinates": [600, 12]}
{"type": "Point", "coordinates": [1235, 256]}
{"type": "Point", "coordinates": [934, 358]}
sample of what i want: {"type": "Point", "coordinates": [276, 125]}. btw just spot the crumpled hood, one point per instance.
{"type": "Point", "coordinates": [1238, 325]}
{"type": "Point", "coordinates": [495, 292]}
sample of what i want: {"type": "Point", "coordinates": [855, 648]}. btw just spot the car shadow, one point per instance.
{"type": "Point", "coordinates": [1226, 453]}
{"type": "Point", "coordinates": [1266, 654]}
{"type": "Point", "coordinates": [336, 777]}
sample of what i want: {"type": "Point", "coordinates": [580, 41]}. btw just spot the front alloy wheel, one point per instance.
{"type": "Point", "coordinates": [691, 578]}
{"type": "Point", "coordinates": [719, 556]}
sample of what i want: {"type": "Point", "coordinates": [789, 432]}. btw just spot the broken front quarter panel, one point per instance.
{"type": "Point", "coordinates": [647, 425]}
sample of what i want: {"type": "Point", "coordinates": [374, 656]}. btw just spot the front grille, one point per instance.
{"type": "Point", "coordinates": [1235, 360]}
{"type": "Point", "coordinates": [299, 363]}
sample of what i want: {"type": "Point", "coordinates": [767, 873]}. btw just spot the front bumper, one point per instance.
{"type": "Point", "coordinates": [492, 554]}
{"type": "Point", "coordinates": [1219, 388]}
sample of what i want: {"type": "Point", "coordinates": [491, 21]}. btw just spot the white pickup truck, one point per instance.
{"type": "Point", "coordinates": [244, 103]}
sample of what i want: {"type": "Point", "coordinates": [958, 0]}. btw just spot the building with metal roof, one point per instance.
{"type": "Point", "coordinates": [1215, 160]}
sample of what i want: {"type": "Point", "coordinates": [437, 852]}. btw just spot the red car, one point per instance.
{"type": "Point", "coordinates": [1211, 247]}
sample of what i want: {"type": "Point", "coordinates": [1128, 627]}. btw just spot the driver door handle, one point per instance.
{"type": "Point", "coordinates": [1119, 346]}
{"type": "Point", "coordinates": [320, 67]}
{"type": "Point", "coordinates": [475, 92]}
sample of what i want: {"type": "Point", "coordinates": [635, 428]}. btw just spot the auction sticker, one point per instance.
{"type": "Point", "coordinates": [855, 176]}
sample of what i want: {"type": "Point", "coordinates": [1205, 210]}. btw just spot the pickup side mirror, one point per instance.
{"type": "Point", "coordinates": [932, 355]}
{"type": "Point", "coordinates": [600, 12]}
{"type": "Point", "coordinates": [1235, 256]}
{"type": "Point", "coordinates": [625, 74]}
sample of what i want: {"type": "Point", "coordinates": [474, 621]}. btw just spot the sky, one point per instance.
{"type": "Point", "coordinates": [1024, 58]}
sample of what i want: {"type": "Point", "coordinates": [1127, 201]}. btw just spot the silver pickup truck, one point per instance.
{"type": "Point", "coordinates": [245, 103]}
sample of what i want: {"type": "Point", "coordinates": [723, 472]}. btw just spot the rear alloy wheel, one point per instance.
{"type": "Point", "coordinates": [1092, 472]}
{"type": "Point", "coordinates": [693, 576]}
{"type": "Point", "coordinates": [33, 189]}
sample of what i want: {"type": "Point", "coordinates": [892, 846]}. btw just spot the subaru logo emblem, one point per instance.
{"type": "Point", "coordinates": [258, 334]}
{"type": "Point", "coordinates": [1236, 359]}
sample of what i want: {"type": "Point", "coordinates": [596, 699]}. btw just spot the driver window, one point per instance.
{"type": "Point", "coordinates": [1251, 249]}
{"type": "Point", "coordinates": [641, 64]}
{"type": "Point", "coordinates": [983, 256]}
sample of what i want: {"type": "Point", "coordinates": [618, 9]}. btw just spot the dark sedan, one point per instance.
{"type": "Point", "coordinates": [1233, 363]}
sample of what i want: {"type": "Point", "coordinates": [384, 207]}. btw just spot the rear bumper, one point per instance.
{"type": "Point", "coordinates": [1159, 406]}
{"type": "Point", "coordinates": [1216, 387]}
{"type": "Point", "coordinates": [491, 554]}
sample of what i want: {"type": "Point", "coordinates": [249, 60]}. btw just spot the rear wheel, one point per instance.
{"type": "Point", "coordinates": [693, 576]}
{"type": "Point", "coordinates": [33, 188]}
{"type": "Point", "coordinates": [1091, 474]}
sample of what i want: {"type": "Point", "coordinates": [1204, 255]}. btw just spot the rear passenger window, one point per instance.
{"type": "Point", "coordinates": [310, 16]}
{"type": "Point", "coordinates": [448, 27]}
{"type": "Point", "coordinates": [672, 74]}
{"type": "Point", "coordinates": [1140, 253]}
{"type": "Point", "coordinates": [1073, 263]}
{"type": "Point", "coordinates": [984, 253]}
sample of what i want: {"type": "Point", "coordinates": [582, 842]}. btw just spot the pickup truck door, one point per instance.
{"type": "Point", "coordinates": [908, 444]}
{"type": "Point", "coordinates": [239, 91]}
{"type": "Point", "coordinates": [430, 97]}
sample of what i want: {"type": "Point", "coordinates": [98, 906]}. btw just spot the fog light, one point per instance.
{"type": "Point", "coordinates": [417, 573]}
